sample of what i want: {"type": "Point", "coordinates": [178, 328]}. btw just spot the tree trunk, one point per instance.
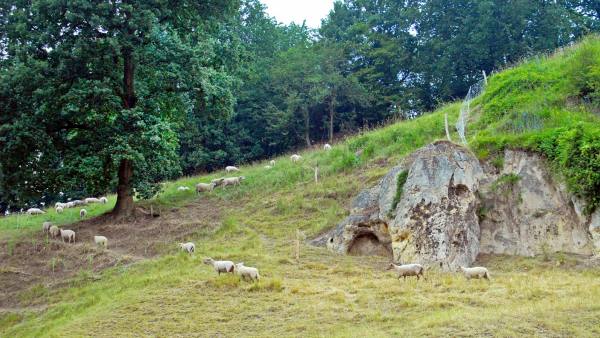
{"type": "Point", "coordinates": [307, 125]}
{"type": "Point", "coordinates": [124, 205]}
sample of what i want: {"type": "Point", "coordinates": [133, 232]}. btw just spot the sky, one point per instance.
{"type": "Point", "coordinates": [286, 11]}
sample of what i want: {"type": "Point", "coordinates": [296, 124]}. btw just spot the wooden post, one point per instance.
{"type": "Point", "coordinates": [316, 171]}
{"type": "Point", "coordinates": [298, 248]}
{"type": "Point", "coordinates": [447, 132]}
{"type": "Point", "coordinates": [151, 211]}
{"type": "Point", "coordinates": [484, 77]}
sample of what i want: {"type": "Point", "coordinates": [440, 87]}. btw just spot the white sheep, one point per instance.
{"type": "Point", "coordinates": [70, 205]}
{"type": "Point", "coordinates": [232, 181]}
{"type": "Point", "coordinates": [67, 234]}
{"type": "Point", "coordinates": [204, 187]}
{"type": "Point", "coordinates": [78, 203]}
{"type": "Point", "coordinates": [183, 188]}
{"type": "Point", "coordinates": [82, 213]}
{"type": "Point", "coordinates": [46, 226]}
{"type": "Point", "coordinates": [295, 158]}
{"type": "Point", "coordinates": [218, 181]}
{"type": "Point", "coordinates": [103, 200]}
{"type": "Point", "coordinates": [246, 271]}
{"type": "Point", "coordinates": [92, 200]}
{"type": "Point", "coordinates": [57, 204]}
{"type": "Point", "coordinates": [54, 231]}
{"type": "Point", "coordinates": [59, 210]}
{"type": "Point", "coordinates": [230, 169]}
{"type": "Point", "coordinates": [268, 167]}
{"type": "Point", "coordinates": [273, 162]}
{"type": "Point", "coordinates": [408, 270]}
{"type": "Point", "coordinates": [34, 211]}
{"type": "Point", "coordinates": [189, 247]}
{"type": "Point", "coordinates": [221, 266]}
{"type": "Point", "coordinates": [327, 147]}
{"type": "Point", "coordinates": [477, 272]}
{"type": "Point", "coordinates": [101, 240]}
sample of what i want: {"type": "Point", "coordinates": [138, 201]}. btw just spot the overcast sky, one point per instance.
{"type": "Point", "coordinates": [287, 11]}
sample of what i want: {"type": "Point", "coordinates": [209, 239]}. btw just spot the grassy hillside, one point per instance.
{"type": "Point", "coordinates": [144, 286]}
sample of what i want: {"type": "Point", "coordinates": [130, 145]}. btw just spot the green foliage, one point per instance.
{"type": "Point", "coordinates": [402, 177]}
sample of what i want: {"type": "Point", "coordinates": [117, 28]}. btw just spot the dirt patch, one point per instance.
{"type": "Point", "coordinates": [31, 265]}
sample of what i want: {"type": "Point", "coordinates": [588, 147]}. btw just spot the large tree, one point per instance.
{"type": "Point", "coordinates": [90, 91]}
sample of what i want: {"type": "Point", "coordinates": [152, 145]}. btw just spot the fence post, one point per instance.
{"type": "Point", "coordinates": [484, 77]}
{"type": "Point", "coordinates": [316, 171]}
{"type": "Point", "coordinates": [447, 132]}
{"type": "Point", "coordinates": [298, 248]}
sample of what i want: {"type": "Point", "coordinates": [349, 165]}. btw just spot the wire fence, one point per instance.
{"type": "Point", "coordinates": [474, 91]}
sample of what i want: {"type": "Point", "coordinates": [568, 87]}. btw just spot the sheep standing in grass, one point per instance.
{"type": "Point", "coordinates": [408, 270]}
{"type": "Point", "coordinates": [58, 204]}
{"type": "Point", "coordinates": [34, 211]}
{"type": "Point", "coordinates": [273, 162]}
{"type": "Point", "coordinates": [54, 231]}
{"type": "Point", "coordinates": [295, 158]}
{"type": "Point", "coordinates": [189, 247]}
{"type": "Point", "coordinates": [246, 271]}
{"type": "Point", "coordinates": [59, 210]}
{"type": "Point", "coordinates": [232, 181]}
{"type": "Point", "coordinates": [68, 234]}
{"type": "Point", "coordinates": [101, 240]}
{"type": "Point", "coordinates": [78, 203]}
{"type": "Point", "coordinates": [221, 266]}
{"type": "Point", "coordinates": [231, 169]}
{"type": "Point", "coordinates": [70, 205]}
{"type": "Point", "coordinates": [82, 213]}
{"type": "Point", "coordinates": [477, 272]}
{"type": "Point", "coordinates": [183, 188]}
{"type": "Point", "coordinates": [327, 147]}
{"type": "Point", "coordinates": [268, 167]}
{"type": "Point", "coordinates": [46, 226]}
{"type": "Point", "coordinates": [218, 181]}
{"type": "Point", "coordinates": [92, 200]}
{"type": "Point", "coordinates": [103, 200]}
{"type": "Point", "coordinates": [204, 187]}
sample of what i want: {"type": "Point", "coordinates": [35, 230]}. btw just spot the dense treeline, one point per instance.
{"type": "Point", "coordinates": [101, 96]}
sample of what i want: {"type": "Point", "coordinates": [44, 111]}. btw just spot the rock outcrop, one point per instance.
{"type": "Point", "coordinates": [453, 207]}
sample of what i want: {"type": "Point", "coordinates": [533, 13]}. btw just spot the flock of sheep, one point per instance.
{"type": "Point", "coordinates": [408, 270]}
{"type": "Point", "coordinates": [225, 266]}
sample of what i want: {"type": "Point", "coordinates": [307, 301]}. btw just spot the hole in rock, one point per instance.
{"type": "Point", "coordinates": [369, 245]}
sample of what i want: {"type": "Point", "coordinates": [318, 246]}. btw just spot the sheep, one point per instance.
{"type": "Point", "coordinates": [59, 210]}
{"type": "Point", "coordinates": [70, 205]}
{"type": "Point", "coordinates": [408, 270]}
{"type": "Point", "coordinates": [221, 266]}
{"type": "Point", "coordinates": [246, 271]}
{"type": "Point", "coordinates": [34, 211]}
{"type": "Point", "coordinates": [82, 213]}
{"type": "Point", "coordinates": [230, 169]}
{"type": "Point", "coordinates": [189, 247]}
{"type": "Point", "coordinates": [78, 203]}
{"type": "Point", "coordinates": [204, 187]}
{"type": "Point", "coordinates": [268, 167]}
{"type": "Point", "coordinates": [103, 200]}
{"type": "Point", "coordinates": [57, 204]}
{"type": "Point", "coordinates": [70, 234]}
{"type": "Point", "coordinates": [327, 147]}
{"type": "Point", "coordinates": [46, 226]}
{"type": "Point", "coordinates": [183, 188]}
{"type": "Point", "coordinates": [295, 158]}
{"type": "Point", "coordinates": [218, 181]}
{"type": "Point", "coordinates": [232, 181]}
{"type": "Point", "coordinates": [101, 240]}
{"type": "Point", "coordinates": [272, 162]}
{"type": "Point", "coordinates": [477, 272]}
{"type": "Point", "coordinates": [54, 231]}
{"type": "Point", "coordinates": [92, 200]}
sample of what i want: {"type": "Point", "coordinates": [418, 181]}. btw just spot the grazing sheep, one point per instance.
{"type": "Point", "coordinates": [477, 272]}
{"type": "Point", "coordinates": [82, 213]}
{"type": "Point", "coordinates": [232, 181]}
{"type": "Point", "coordinates": [58, 204]}
{"type": "Point", "coordinates": [46, 226]}
{"type": "Point", "coordinates": [273, 162]}
{"type": "Point", "coordinates": [221, 266]}
{"type": "Point", "coordinates": [268, 167]}
{"type": "Point", "coordinates": [218, 181]}
{"type": "Point", "coordinates": [34, 211]}
{"type": "Point", "coordinates": [246, 271]}
{"type": "Point", "coordinates": [295, 158]}
{"type": "Point", "coordinates": [101, 240]}
{"type": "Point", "coordinates": [204, 187]}
{"type": "Point", "coordinates": [92, 200]}
{"type": "Point", "coordinates": [103, 200]}
{"type": "Point", "coordinates": [54, 231]}
{"type": "Point", "coordinates": [231, 169]}
{"type": "Point", "coordinates": [70, 234]}
{"type": "Point", "coordinates": [183, 188]}
{"type": "Point", "coordinates": [327, 147]}
{"type": "Point", "coordinates": [78, 203]}
{"type": "Point", "coordinates": [59, 210]}
{"type": "Point", "coordinates": [70, 205]}
{"type": "Point", "coordinates": [408, 270]}
{"type": "Point", "coordinates": [189, 247]}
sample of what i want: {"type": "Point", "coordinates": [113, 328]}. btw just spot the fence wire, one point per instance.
{"type": "Point", "coordinates": [474, 91]}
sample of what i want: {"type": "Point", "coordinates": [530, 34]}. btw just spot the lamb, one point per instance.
{"type": "Point", "coordinates": [59, 210]}
{"type": "Point", "coordinates": [408, 270]}
{"type": "Point", "coordinates": [92, 200]}
{"type": "Point", "coordinates": [232, 181]}
{"type": "Point", "coordinates": [189, 247]}
{"type": "Point", "coordinates": [77, 203]}
{"type": "Point", "coordinates": [82, 213]}
{"type": "Point", "coordinates": [183, 188]}
{"type": "Point", "coordinates": [221, 266]}
{"type": "Point", "coordinates": [70, 205]}
{"type": "Point", "coordinates": [218, 181]}
{"type": "Point", "coordinates": [70, 234]}
{"type": "Point", "coordinates": [246, 271]}
{"type": "Point", "coordinates": [327, 147]}
{"type": "Point", "coordinates": [295, 158]}
{"type": "Point", "coordinates": [230, 169]}
{"type": "Point", "coordinates": [103, 200]}
{"type": "Point", "coordinates": [273, 162]}
{"type": "Point", "coordinates": [101, 240]}
{"type": "Point", "coordinates": [268, 167]}
{"type": "Point", "coordinates": [34, 211]}
{"type": "Point", "coordinates": [46, 226]}
{"type": "Point", "coordinates": [54, 231]}
{"type": "Point", "coordinates": [477, 272]}
{"type": "Point", "coordinates": [204, 187]}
